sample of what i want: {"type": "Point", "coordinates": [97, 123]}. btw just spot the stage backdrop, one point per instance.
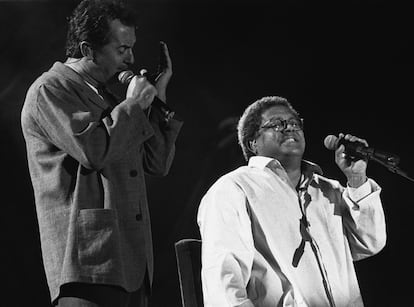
{"type": "Point", "coordinates": [347, 67]}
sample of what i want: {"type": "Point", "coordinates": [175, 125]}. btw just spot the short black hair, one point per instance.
{"type": "Point", "coordinates": [251, 120]}
{"type": "Point", "coordinates": [90, 21]}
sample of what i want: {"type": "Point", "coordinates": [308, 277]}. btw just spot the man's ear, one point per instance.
{"type": "Point", "coordinates": [86, 50]}
{"type": "Point", "coordinates": [252, 146]}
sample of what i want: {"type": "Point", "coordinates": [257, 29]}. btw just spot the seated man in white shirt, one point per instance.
{"type": "Point", "coordinates": [276, 232]}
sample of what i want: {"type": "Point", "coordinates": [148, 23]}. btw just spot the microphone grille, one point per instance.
{"type": "Point", "coordinates": [125, 76]}
{"type": "Point", "coordinates": [330, 142]}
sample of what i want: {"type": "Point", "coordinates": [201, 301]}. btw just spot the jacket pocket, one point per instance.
{"type": "Point", "coordinates": [98, 239]}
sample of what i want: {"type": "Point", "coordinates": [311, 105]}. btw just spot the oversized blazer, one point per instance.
{"type": "Point", "coordinates": [87, 161]}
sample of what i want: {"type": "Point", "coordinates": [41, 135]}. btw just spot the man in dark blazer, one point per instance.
{"type": "Point", "coordinates": [87, 156]}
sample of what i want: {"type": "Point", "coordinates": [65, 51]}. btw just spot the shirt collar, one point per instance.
{"type": "Point", "coordinates": [260, 161]}
{"type": "Point", "coordinates": [308, 168]}
{"type": "Point", "coordinates": [311, 168]}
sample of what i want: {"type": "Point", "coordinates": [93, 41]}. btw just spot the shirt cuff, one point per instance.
{"type": "Point", "coordinates": [357, 194]}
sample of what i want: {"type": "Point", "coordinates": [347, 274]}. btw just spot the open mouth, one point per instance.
{"type": "Point", "coordinates": [289, 140]}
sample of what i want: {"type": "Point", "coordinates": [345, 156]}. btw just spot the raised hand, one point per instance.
{"type": "Point", "coordinates": [355, 171]}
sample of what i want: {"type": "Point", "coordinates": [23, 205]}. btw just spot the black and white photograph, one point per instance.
{"type": "Point", "coordinates": [206, 153]}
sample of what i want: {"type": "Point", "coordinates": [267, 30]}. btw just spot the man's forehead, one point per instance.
{"type": "Point", "coordinates": [122, 34]}
{"type": "Point", "coordinates": [279, 110]}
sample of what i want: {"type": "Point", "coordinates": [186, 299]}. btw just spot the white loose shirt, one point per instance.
{"type": "Point", "coordinates": [252, 237]}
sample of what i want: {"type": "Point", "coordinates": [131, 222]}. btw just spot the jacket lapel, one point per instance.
{"type": "Point", "coordinates": [68, 73]}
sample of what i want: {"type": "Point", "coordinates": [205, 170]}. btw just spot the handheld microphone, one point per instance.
{"type": "Point", "coordinates": [126, 76]}
{"type": "Point", "coordinates": [358, 150]}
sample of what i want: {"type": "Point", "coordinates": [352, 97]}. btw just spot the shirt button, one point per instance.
{"type": "Point", "coordinates": [133, 173]}
{"type": "Point", "coordinates": [138, 217]}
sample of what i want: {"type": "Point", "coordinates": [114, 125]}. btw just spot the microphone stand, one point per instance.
{"type": "Point", "coordinates": [391, 165]}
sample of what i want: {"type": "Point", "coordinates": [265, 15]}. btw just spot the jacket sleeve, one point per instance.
{"type": "Point", "coordinates": [159, 149]}
{"type": "Point", "coordinates": [365, 221]}
{"type": "Point", "coordinates": [227, 246]}
{"type": "Point", "coordinates": [92, 137]}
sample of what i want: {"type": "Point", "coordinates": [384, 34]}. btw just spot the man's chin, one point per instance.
{"type": "Point", "coordinates": [294, 152]}
{"type": "Point", "coordinates": [113, 79]}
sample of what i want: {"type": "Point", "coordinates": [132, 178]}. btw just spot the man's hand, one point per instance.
{"type": "Point", "coordinates": [142, 91]}
{"type": "Point", "coordinates": [355, 171]}
{"type": "Point", "coordinates": [165, 75]}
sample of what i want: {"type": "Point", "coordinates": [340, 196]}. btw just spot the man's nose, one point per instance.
{"type": "Point", "coordinates": [129, 58]}
{"type": "Point", "coordinates": [289, 127]}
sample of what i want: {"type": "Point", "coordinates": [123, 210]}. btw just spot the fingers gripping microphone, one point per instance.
{"type": "Point", "coordinates": [358, 150]}
{"type": "Point", "coordinates": [126, 76]}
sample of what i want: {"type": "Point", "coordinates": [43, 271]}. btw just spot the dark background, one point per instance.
{"type": "Point", "coordinates": [346, 67]}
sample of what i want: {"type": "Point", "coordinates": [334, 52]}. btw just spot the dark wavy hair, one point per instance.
{"type": "Point", "coordinates": [251, 120]}
{"type": "Point", "coordinates": [90, 22]}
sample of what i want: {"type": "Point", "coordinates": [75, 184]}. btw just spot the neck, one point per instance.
{"type": "Point", "coordinates": [87, 69]}
{"type": "Point", "coordinates": [293, 169]}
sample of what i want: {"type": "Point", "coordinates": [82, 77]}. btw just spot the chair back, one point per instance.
{"type": "Point", "coordinates": [188, 255]}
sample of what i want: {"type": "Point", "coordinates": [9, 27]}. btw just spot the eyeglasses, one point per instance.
{"type": "Point", "coordinates": [278, 124]}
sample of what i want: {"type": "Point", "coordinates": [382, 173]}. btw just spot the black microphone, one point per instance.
{"type": "Point", "coordinates": [126, 76]}
{"type": "Point", "coordinates": [358, 150]}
